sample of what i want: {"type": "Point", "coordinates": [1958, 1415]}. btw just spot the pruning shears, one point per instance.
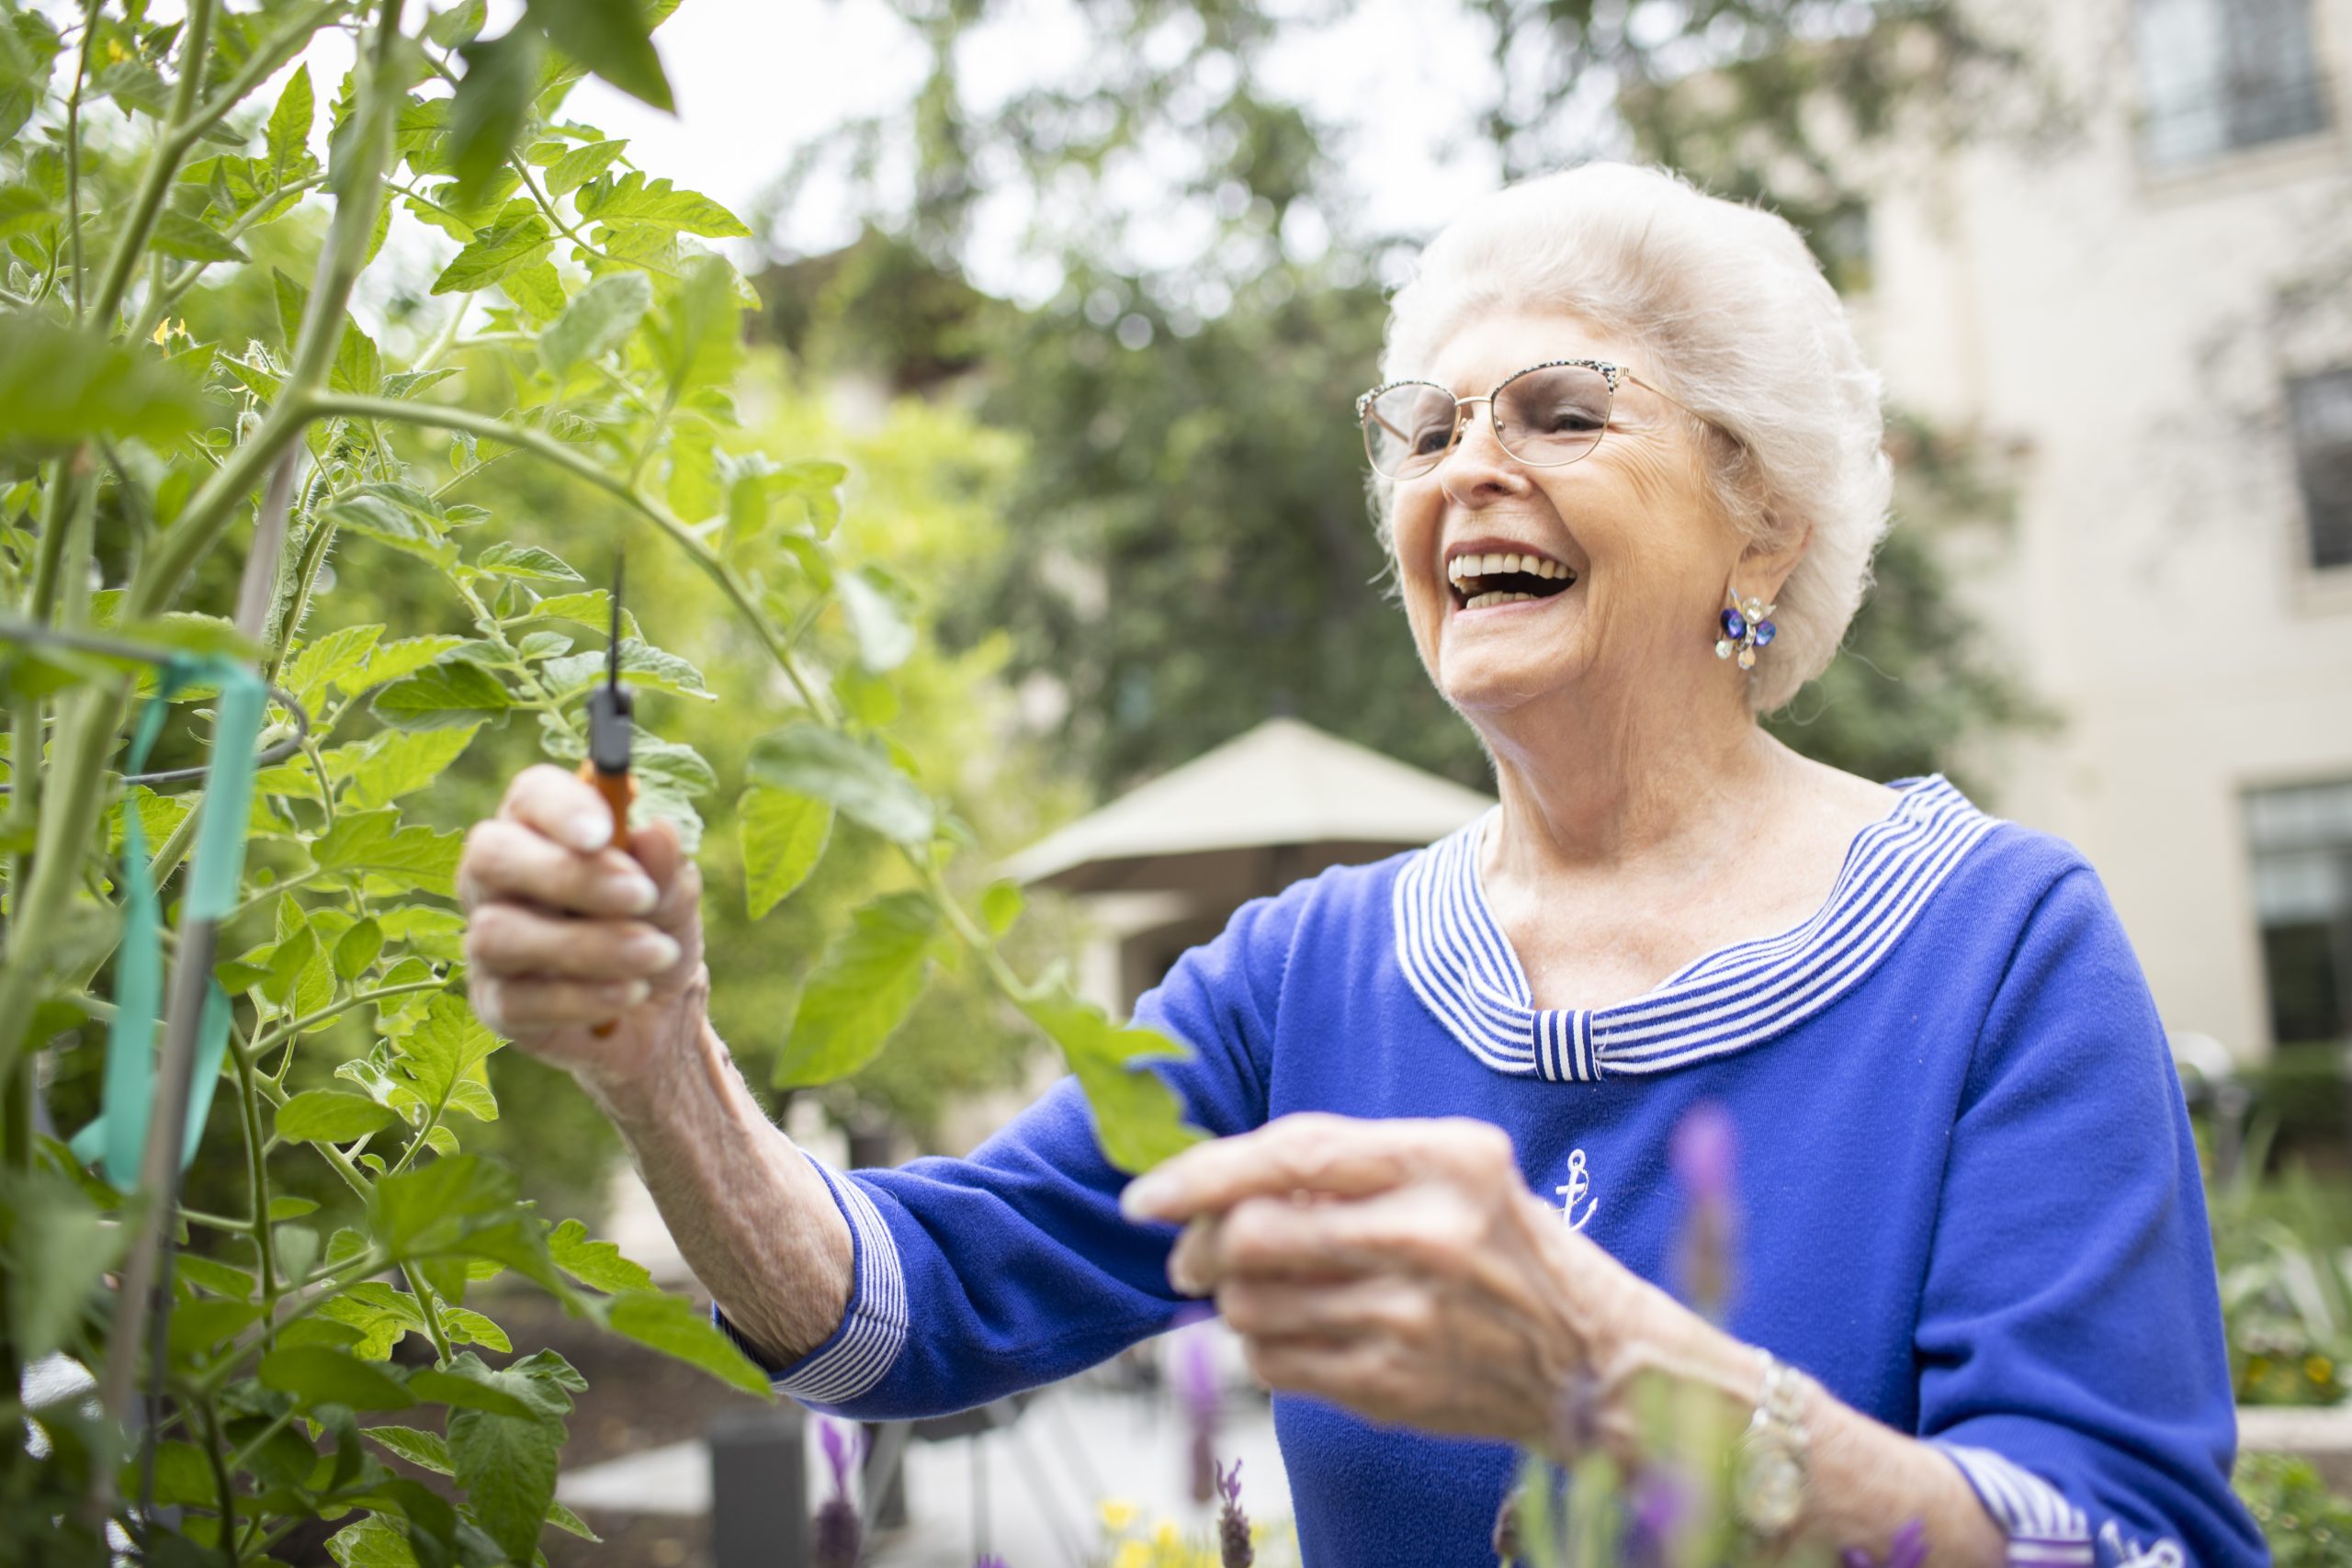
{"type": "Point", "coordinates": [610, 712]}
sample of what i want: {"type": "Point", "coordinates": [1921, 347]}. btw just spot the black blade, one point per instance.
{"type": "Point", "coordinates": [613, 649]}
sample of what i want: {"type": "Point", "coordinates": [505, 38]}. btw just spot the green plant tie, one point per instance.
{"type": "Point", "coordinates": [128, 1098]}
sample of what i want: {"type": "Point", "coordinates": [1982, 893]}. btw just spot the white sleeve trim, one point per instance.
{"type": "Point", "coordinates": [873, 1330]}
{"type": "Point", "coordinates": [2043, 1527]}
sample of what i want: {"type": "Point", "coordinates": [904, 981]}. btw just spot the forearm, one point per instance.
{"type": "Point", "coordinates": [752, 1217]}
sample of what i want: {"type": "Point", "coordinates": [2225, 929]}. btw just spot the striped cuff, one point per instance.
{"type": "Point", "coordinates": [873, 1329]}
{"type": "Point", "coordinates": [2043, 1527]}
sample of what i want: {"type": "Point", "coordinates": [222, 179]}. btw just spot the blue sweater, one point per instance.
{"type": "Point", "coordinates": [1971, 1203]}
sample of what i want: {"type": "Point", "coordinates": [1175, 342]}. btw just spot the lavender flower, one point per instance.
{"type": "Point", "coordinates": [989, 1559]}
{"type": "Point", "coordinates": [1701, 1151]}
{"type": "Point", "coordinates": [1661, 1505]}
{"type": "Point", "coordinates": [1907, 1550]}
{"type": "Point", "coordinates": [1233, 1525]}
{"type": "Point", "coordinates": [836, 1525]}
{"type": "Point", "coordinates": [1196, 1391]}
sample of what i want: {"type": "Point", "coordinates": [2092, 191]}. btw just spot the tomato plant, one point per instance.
{"type": "Point", "coordinates": [581, 323]}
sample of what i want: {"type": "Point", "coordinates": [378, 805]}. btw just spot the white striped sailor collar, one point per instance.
{"type": "Point", "coordinates": [1457, 960]}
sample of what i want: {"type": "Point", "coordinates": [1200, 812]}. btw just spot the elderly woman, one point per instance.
{"type": "Point", "coordinates": [1627, 458]}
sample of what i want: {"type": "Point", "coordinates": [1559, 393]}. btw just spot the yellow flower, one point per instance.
{"type": "Point", "coordinates": [2319, 1369]}
{"type": "Point", "coordinates": [1132, 1554]}
{"type": "Point", "coordinates": [1117, 1514]}
{"type": "Point", "coordinates": [1166, 1536]}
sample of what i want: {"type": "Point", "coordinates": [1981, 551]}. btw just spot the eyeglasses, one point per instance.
{"type": "Point", "coordinates": [1546, 415]}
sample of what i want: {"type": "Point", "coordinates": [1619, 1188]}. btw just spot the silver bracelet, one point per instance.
{"type": "Point", "coordinates": [1773, 1463]}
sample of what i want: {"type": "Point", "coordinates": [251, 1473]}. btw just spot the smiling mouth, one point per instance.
{"type": "Point", "coordinates": [1478, 582]}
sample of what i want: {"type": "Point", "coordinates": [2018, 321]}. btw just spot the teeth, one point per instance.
{"type": "Point", "coordinates": [1463, 569]}
{"type": "Point", "coordinates": [1481, 601]}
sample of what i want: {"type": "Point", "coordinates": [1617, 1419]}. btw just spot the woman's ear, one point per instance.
{"type": "Point", "coordinates": [1765, 567]}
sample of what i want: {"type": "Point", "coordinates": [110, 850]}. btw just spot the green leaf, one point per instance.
{"type": "Point", "coordinates": [566, 1520]}
{"type": "Point", "coordinates": [697, 335]}
{"type": "Point", "coordinates": [447, 694]}
{"type": "Point", "coordinates": [611, 37]}
{"type": "Point", "coordinates": [374, 1543]}
{"type": "Point", "coordinates": [507, 1467]}
{"type": "Point", "coordinates": [458, 25]}
{"type": "Point", "coordinates": [316, 1375]}
{"type": "Point", "coordinates": [527, 561]}
{"type": "Point", "coordinates": [340, 653]}
{"type": "Point", "coordinates": [426, 1451]}
{"type": "Point", "coordinates": [430, 1207]}
{"type": "Point", "coordinates": [577, 165]}
{"type": "Point", "coordinates": [644, 667]}
{"type": "Point", "coordinates": [671, 1326]}
{"type": "Point", "coordinates": [885, 636]}
{"type": "Point", "coordinates": [391, 661]}
{"type": "Point", "coordinates": [329, 1116]}
{"type": "Point", "coordinates": [487, 110]}
{"type": "Point", "coordinates": [593, 609]}
{"type": "Point", "coordinates": [493, 253]}
{"type": "Point", "coordinates": [212, 1274]}
{"type": "Point", "coordinates": [356, 950]}
{"type": "Point", "coordinates": [288, 128]}
{"type": "Point", "coordinates": [1138, 1118]}
{"type": "Point", "coordinates": [283, 1207]}
{"type": "Point", "coordinates": [376, 841]}
{"type": "Point", "coordinates": [436, 933]}
{"type": "Point", "coordinates": [863, 988]}
{"type": "Point", "coordinates": [293, 956]}
{"type": "Point", "coordinates": [1000, 904]}
{"type": "Point", "coordinates": [811, 759]}
{"type": "Point", "coordinates": [191, 239]}
{"type": "Point", "coordinates": [783, 836]}
{"type": "Point", "coordinates": [59, 385]}
{"type": "Point", "coordinates": [630, 198]}
{"type": "Point", "coordinates": [60, 1244]}
{"type": "Point", "coordinates": [358, 366]}
{"type": "Point", "coordinates": [595, 1264]}
{"type": "Point", "coordinates": [598, 320]}
{"type": "Point", "coordinates": [383, 1316]}
{"type": "Point", "coordinates": [445, 1047]}
{"type": "Point", "coordinates": [398, 762]}
{"type": "Point", "coordinates": [464, 1326]}
{"type": "Point", "coordinates": [382, 512]}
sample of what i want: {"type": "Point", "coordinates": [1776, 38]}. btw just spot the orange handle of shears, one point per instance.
{"type": "Point", "coordinates": [617, 789]}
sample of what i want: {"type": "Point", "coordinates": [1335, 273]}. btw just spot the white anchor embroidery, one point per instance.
{"type": "Point", "coordinates": [1573, 1193]}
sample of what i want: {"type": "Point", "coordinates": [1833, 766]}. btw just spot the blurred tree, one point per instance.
{"type": "Point", "coordinates": [1191, 544]}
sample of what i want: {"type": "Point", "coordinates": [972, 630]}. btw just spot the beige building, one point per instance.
{"type": "Point", "coordinates": [2150, 322]}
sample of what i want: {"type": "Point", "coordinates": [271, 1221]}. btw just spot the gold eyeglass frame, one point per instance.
{"type": "Point", "coordinates": [1610, 371]}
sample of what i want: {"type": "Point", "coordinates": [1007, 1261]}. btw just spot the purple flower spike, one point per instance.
{"type": "Point", "coordinates": [1907, 1550]}
{"type": "Point", "coordinates": [1702, 1153]}
{"type": "Point", "coordinates": [1234, 1550]}
{"type": "Point", "coordinates": [991, 1560]}
{"type": "Point", "coordinates": [1196, 1391]}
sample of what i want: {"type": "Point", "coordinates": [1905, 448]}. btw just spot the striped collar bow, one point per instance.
{"type": "Point", "coordinates": [1454, 954]}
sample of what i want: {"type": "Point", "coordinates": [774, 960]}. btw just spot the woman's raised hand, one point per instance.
{"type": "Point", "coordinates": [1400, 1267]}
{"type": "Point", "coordinates": [564, 932]}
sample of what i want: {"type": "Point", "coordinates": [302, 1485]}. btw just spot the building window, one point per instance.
{"type": "Point", "coordinates": [2319, 416]}
{"type": "Point", "coordinates": [2303, 899]}
{"type": "Point", "coordinates": [2217, 76]}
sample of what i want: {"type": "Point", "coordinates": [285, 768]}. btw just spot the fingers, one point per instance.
{"type": "Point", "coordinates": [508, 859]}
{"type": "Point", "coordinates": [507, 939]}
{"type": "Point", "coordinates": [1338, 1309]}
{"type": "Point", "coordinates": [1312, 1152]}
{"type": "Point", "coordinates": [1421, 1230]}
{"type": "Point", "coordinates": [520, 1006]}
{"type": "Point", "coordinates": [561, 804]}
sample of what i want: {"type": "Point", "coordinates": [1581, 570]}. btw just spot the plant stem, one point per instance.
{"type": "Point", "coordinates": [293, 1027]}
{"type": "Point", "coordinates": [73, 148]}
{"type": "Point", "coordinates": [181, 128]}
{"type": "Point", "coordinates": [257, 1180]}
{"type": "Point", "coordinates": [442, 416]}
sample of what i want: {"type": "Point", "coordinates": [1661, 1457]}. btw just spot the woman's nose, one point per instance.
{"type": "Point", "coordinates": [1478, 468]}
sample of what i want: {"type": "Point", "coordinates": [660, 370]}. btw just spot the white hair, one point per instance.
{"type": "Point", "coordinates": [1735, 320]}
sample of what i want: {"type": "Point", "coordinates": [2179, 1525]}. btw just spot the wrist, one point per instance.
{"type": "Point", "coordinates": [658, 1055]}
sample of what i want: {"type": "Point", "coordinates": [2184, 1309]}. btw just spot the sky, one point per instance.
{"type": "Point", "coordinates": [755, 80]}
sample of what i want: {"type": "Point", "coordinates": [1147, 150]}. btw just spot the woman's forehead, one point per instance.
{"type": "Point", "coordinates": [1493, 344]}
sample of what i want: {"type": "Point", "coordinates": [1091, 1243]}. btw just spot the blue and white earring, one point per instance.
{"type": "Point", "coordinates": [1746, 629]}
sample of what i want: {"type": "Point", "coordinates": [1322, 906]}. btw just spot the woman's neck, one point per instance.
{"type": "Point", "coordinates": [1588, 786]}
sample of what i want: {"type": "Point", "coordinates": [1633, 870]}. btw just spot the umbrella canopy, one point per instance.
{"type": "Point", "coordinates": [1285, 793]}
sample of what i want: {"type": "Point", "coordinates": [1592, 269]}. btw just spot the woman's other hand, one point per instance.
{"type": "Point", "coordinates": [1401, 1268]}
{"type": "Point", "coordinates": [565, 933]}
